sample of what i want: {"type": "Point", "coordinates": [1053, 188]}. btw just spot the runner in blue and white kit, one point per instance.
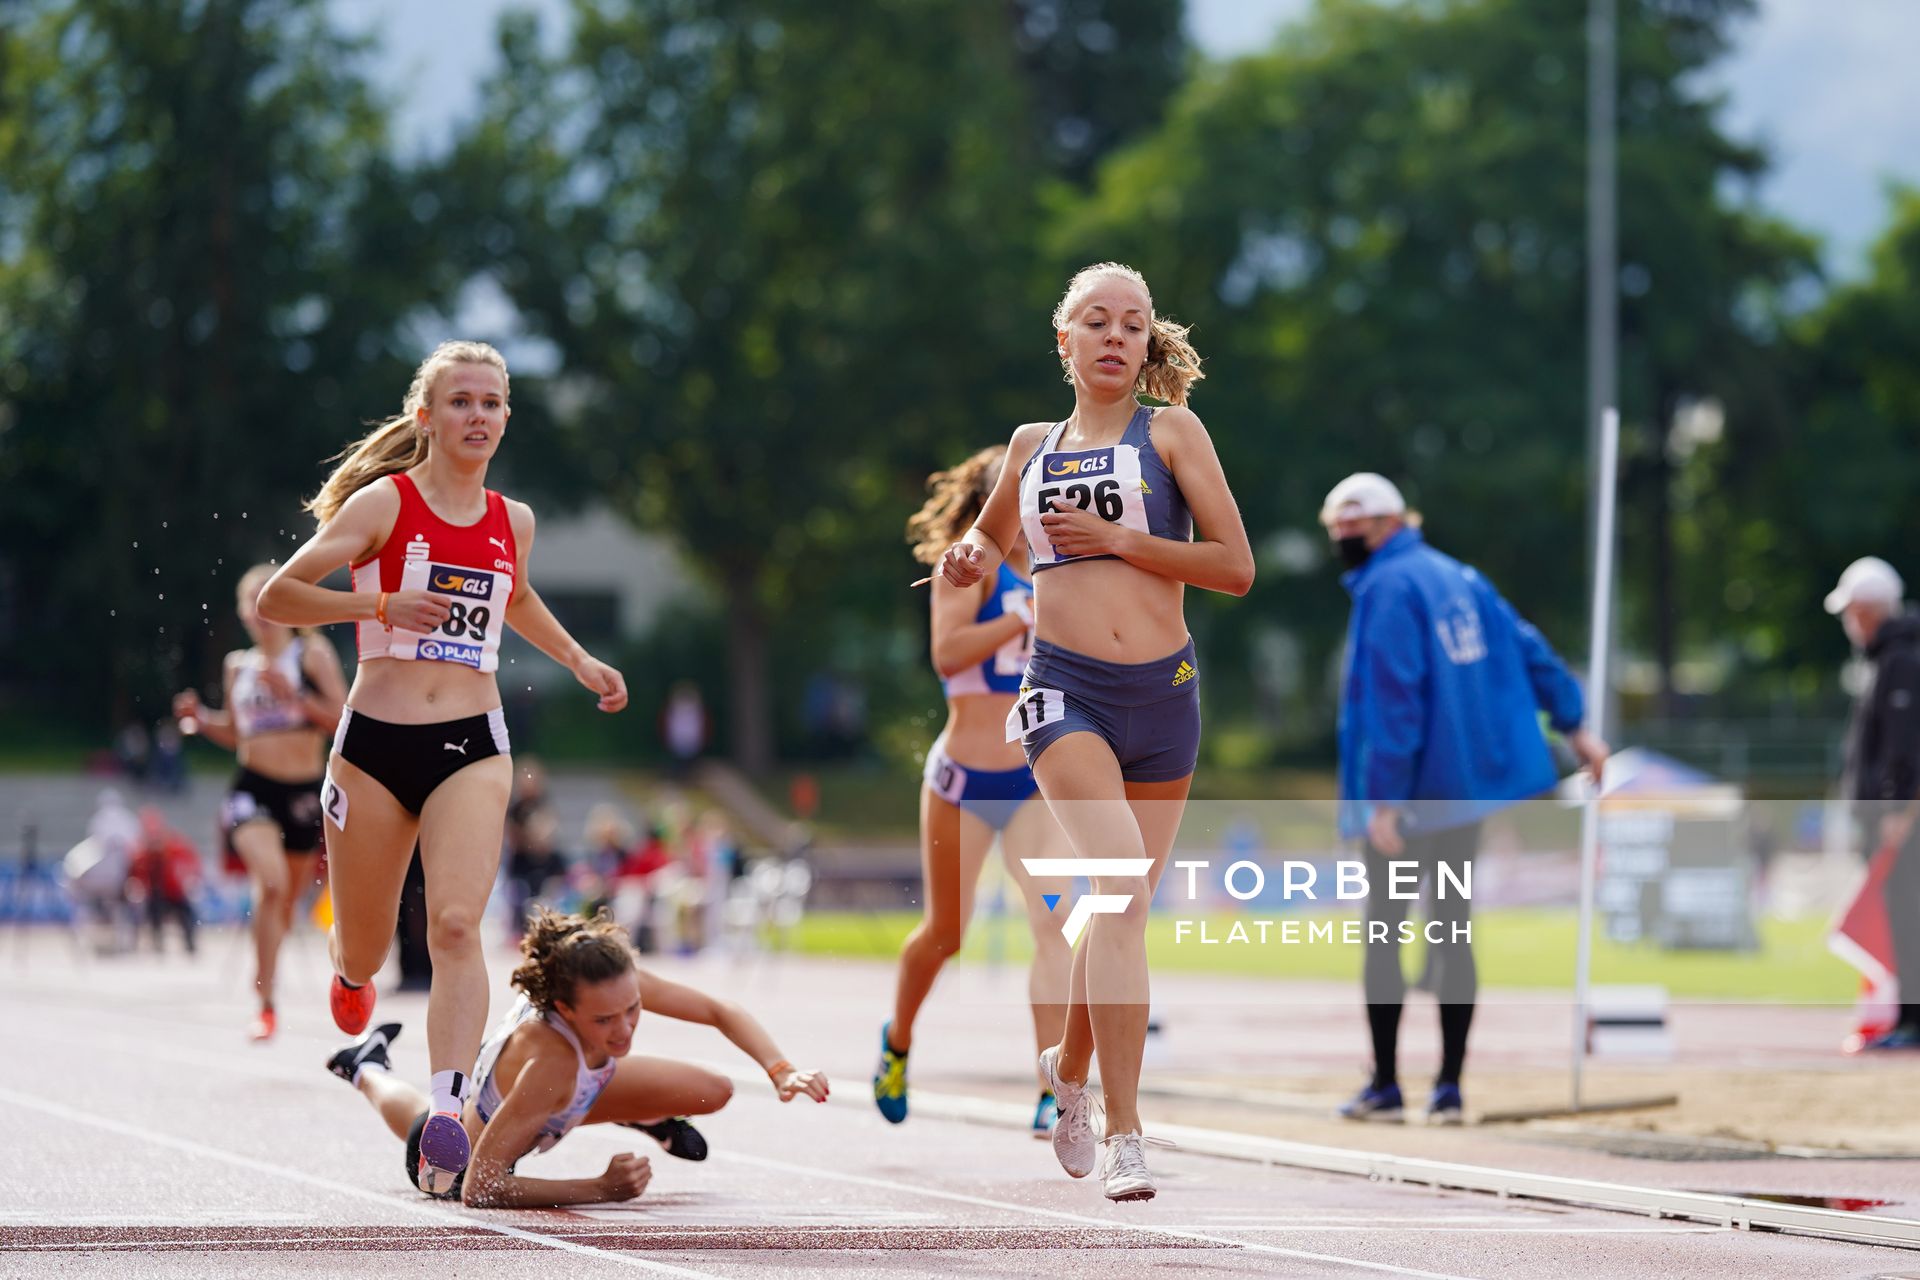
{"type": "Point", "coordinates": [1109, 710]}
{"type": "Point", "coordinates": [976, 785]}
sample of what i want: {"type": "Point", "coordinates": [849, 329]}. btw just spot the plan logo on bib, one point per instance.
{"type": "Point", "coordinates": [1094, 904]}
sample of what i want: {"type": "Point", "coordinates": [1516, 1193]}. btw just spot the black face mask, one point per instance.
{"type": "Point", "coordinates": [1353, 552]}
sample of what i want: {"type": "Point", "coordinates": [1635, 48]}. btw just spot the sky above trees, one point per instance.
{"type": "Point", "coordinates": [1827, 88]}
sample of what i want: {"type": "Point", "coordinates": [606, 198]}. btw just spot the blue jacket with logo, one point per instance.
{"type": "Point", "coordinates": [1441, 693]}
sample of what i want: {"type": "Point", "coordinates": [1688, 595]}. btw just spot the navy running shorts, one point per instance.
{"type": "Point", "coordinates": [1148, 712]}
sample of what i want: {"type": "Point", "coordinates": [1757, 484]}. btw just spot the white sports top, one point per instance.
{"type": "Point", "coordinates": [587, 1081]}
{"type": "Point", "coordinates": [255, 708]}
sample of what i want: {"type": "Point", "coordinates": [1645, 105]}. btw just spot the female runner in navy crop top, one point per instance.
{"type": "Point", "coordinates": [1109, 710]}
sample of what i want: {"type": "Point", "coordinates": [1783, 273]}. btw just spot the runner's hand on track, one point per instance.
{"type": "Point", "coordinates": [960, 566]}
{"type": "Point", "coordinates": [186, 706]}
{"type": "Point", "coordinates": [794, 1083]}
{"type": "Point", "coordinates": [603, 680]}
{"type": "Point", "coordinates": [627, 1176]}
{"type": "Point", "coordinates": [417, 611]}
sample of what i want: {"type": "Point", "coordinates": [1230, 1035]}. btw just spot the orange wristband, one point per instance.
{"type": "Point", "coordinates": [773, 1072]}
{"type": "Point", "coordinates": [380, 610]}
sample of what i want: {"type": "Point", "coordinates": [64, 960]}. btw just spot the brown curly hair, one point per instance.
{"type": "Point", "coordinates": [956, 497]}
{"type": "Point", "coordinates": [561, 952]}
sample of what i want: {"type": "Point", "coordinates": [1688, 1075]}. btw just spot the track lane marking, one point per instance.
{"type": "Point", "coordinates": [60, 1111]}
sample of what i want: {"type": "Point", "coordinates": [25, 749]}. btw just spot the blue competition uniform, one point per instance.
{"type": "Point", "coordinates": [993, 796]}
{"type": "Point", "coordinates": [1148, 712]}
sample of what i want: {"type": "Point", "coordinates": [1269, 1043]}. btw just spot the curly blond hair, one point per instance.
{"type": "Point", "coordinates": [955, 498]}
{"type": "Point", "coordinates": [398, 443]}
{"type": "Point", "coordinates": [1172, 365]}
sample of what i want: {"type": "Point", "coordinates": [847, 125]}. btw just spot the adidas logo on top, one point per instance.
{"type": "Point", "coordinates": [1184, 673]}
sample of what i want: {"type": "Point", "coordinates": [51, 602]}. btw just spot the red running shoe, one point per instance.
{"type": "Point", "coordinates": [263, 1027]}
{"type": "Point", "coordinates": [352, 1006]}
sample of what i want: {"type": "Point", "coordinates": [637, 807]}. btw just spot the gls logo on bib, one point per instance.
{"type": "Point", "coordinates": [1098, 462]}
{"type": "Point", "coordinates": [448, 580]}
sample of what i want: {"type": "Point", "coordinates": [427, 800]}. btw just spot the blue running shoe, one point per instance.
{"type": "Point", "coordinates": [1045, 1114]}
{"type": "Point", "coordinates": [1445, 1105]}
{"type": "Point", "coordinates": [1375, 1102]}
{"type": "Point", "coordinates": [1903, 1036]}
{"type": "Point", "coordinates": [890, 1081]}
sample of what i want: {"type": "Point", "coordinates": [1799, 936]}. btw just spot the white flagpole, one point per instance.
{"type": "Point", "coordinates": [1597, 708]}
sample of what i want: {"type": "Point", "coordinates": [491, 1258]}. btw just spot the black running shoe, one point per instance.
{"type": "Point", "coordinates": [675, 1135]}
{"type": "Point", "coordinates": [372, 1047]}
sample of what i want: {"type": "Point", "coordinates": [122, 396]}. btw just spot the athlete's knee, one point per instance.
{"type": "Point", "coordinates": [1137, 892]}
{"type": "Point", "coordinates": [453, 928]}
{"type": "Point", "coordinates": [942, 940]}
{"type": "Point", "coordinates": [714, 1092]}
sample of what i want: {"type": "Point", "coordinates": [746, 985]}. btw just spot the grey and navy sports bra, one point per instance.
{"type": "Point", "coordinates": [1127, 483]}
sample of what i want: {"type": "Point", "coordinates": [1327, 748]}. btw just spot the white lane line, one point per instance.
{"type": "Point", "coordinates": [60, 1111]}
{"type": "Point", "coordinates": [1008, 1206]}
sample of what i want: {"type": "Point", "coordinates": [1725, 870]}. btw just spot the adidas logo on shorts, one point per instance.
{"type": "Point", "coordinates": [1184, 673]}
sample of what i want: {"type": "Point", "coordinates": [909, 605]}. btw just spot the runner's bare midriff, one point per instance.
{"type": "Point", "coordinates": [977, 733]}
{"type": "Point", "coordinates": [1110, 610]}
{"type": "Point", "coordinates": [404, 692]}
{"type": "Point", "coordinates": [292, 755]}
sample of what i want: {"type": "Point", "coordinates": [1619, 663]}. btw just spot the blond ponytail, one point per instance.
{"type": "Point", "coordinates": [398, 444]}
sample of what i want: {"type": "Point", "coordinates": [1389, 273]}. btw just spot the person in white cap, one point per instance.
{"type": "Point", "coordinates": [1442, 690]}
{"type": "Point", "coordinates": [1883, 761]}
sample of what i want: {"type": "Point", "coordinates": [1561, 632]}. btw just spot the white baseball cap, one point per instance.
{"type": "Point", "coordinates": [1360, 495]}
{"type": "Point", "coordinates": [1868, 580]}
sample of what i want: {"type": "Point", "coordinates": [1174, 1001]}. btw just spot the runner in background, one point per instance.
{"type": "Point", "coordinates": [280, 702]}
{"type": "Point", "coordinates": [976, 785]}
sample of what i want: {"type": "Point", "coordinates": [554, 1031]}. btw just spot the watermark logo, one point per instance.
{"type": "Point", "coordinates": [1094, 904]}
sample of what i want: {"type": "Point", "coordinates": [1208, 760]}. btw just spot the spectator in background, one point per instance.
{"type": "Point", "coordinates": [97, 868]}
{"type": "Point", "coordinates": [1883, 761]}
{"type": "Point", "coordinates": [684, 726]}
{"type": "Point", "coordinates": [1441, 696]}
{"type": "Point", "coordinates": [410, 929]}
{"type": "Point", "coordinates": [529, 797]}
{"type": "Point", "coordinates": [169, 768]}
{"type": "Point", "coordinates": [163, 874]}
{"type": "Point", "coordinates": [609, 839]}
{"type": "Point", "coordinates": [535, 869]}
{"type": "Point", "coordinates": [130, 750]}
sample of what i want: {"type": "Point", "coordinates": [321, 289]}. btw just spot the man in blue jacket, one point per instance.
{"type": "Point", "coordinates": [1441, 698]}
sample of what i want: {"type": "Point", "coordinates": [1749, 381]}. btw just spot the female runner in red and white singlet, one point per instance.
{"type": "Point", "coordinates": [439, 571]}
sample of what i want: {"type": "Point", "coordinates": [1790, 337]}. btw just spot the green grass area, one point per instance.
{"type": "Point", "coordinates": [1525, 948]}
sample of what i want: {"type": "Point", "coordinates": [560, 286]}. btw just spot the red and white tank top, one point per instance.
{"type": "Point", "coordinates": [471, 564]}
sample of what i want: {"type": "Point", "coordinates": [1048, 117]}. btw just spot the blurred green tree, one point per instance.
{"type": "Point", "coordinates": [1837, 481]}
{"type": "Point", "coordinates": [1378, 227]}
{"type": "Point", "coordinates": [205, 260]}
{"type": "Point", "coordinates": [1098, 73]}
{"type": "Point", "coordinates": [779, 252]}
